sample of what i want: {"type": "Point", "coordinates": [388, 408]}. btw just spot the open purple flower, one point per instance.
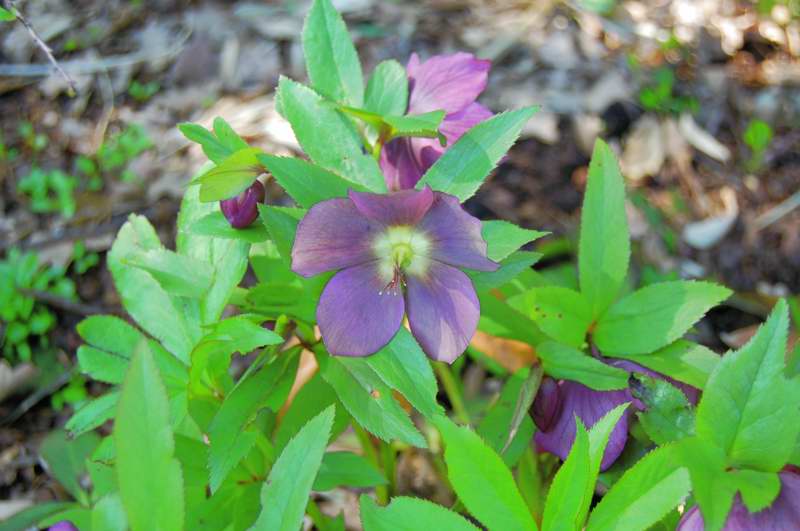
{"type": "Point", "coordinates": [557, 434]}
{"type": "Point", "coordinates": [242, 210]}
{"type": "Point", "coordinates": [450, 83]}
{"type": "Point", "coordinates": [783, 514]}
{"type": "Point", "coordinates": [396, 254]}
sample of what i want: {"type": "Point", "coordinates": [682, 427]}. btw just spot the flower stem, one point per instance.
{"type": "Point", "coordinates": [381, 491]}
{"type": "Point", "coordinates": [316, 516]}
{"type": "Point", "coordinates": [452, 391]}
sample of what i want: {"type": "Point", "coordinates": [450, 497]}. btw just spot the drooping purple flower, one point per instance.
{"type": "Point", "coordinates": [590, 406]}
{"type": "Point", "coordinates": [547, 406]}
{"type": "Point", "coordinates": [242, 210]}
{"type": "Point", "coordinates": [396, 254]}
{"type": "Point", "coordinates": [782, 515]}
{"type": "Point", "coordinates": [450, 83]}
{"type": "Point", "coordinates": [63, 525]}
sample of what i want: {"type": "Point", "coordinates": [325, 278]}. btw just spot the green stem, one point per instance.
{"type": "Point", "coordinates": [389, 455]}
{"type": "Point", "coordinates": [316, 516]}
{"type": "Point", "coordinates": [381, 492]}
{"type": "Point", "coordinates": [452, 391]}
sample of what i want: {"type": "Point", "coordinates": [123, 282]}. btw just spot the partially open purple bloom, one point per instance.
{"type": "Point", "coordinates": [396, 254]}
{"type": "Point", "coordinates": [450, 83]}
{"type": "Point", "coordinates": [590, 406]}
{"type": "Point", "coordinates": [242, 210]}
{"type": "Point", "coordinates": [63, 525]}
{"type": "Point", "coordinates": [782, 515]}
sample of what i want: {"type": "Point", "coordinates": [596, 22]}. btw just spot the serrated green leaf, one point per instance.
{"type": "Point", "coordinates": [149, 477]}
{"type": "Point", "coordinates": [215, 224]}
{"type": "Point", "coordinates": [561, 313]}
{"type": "Point", "coordinates": [749, 408]}
{"type": "Point", "coordinates": [66, 459]}
{"type": "Point", "coordinates": [217, 145]}
{"type": "Point", "coordinates": [328, 137]}
{"type": "Point", "coordinates": [759, 489]}
{"type": "Point", "coordinates": [305, 182]}
{"type": "Point", "coordinates": [346, 469]}
{"type": "Point", "coordinates": [101, 365]}
{"type": "Point", "coordinates": [565, 362]}
{"type": "Point", "coordinates": [331, 59]}
{"type": "Point", "coordinates": [667, 416]}
{"type": "Point", "coordinates": [230, 177]}
{"type": "Point", "coordinates": [604, 248]}
{"type": "Point", "coordinates": [92, 414]}
{"type": "Point", "coordinates": [387, 89]}
{"type": "Point", "coordinates": [227, 136]}
{"type": "Point", "coordinates": [568, 490]}
{"type": "Point", "coordinates": [682, 360]}
{"type": "Point", "coordinates": [424, 125]}
{"type": "Point", "coordinates": [177, 274]}
{"type": "Point", "coordinates": [643, 495]}
{"type": "Point", "coordinates": [482, 481]}
{"type": "Point", "coordinates": [466, 164]}
{"type": "Point", "coordinates": [110, 333]}
{"type": "Point", "coordinates": [655, 316]}
{"type": "Point", "coordinates": [281, 223]}
{"type": "Point", "coordinates": [711, 487]}
{"type": "Point", "coordinates": [108, 513]}
{"type": "Point", "coordinates": [29, 518]}
{"type": "Point", "coordinates": [410, 514]}
{"type": "Point", "coordinates": [510, 268]}
{"type": "Point", "coordinates": [503, 238]}
{"type": "Point", "coordinates": [284, 495]}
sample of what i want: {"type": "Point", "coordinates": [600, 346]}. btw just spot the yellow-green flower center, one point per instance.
{"type": "Point", "coordinates": [402, 249]}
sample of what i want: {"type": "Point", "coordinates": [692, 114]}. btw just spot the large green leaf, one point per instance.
{"type": "Point", "coordinates": [749, 408]}
{"type": "Point", "coordinates": [230, 177]}
{"type": "Point", "coordinates": [149, 477]}
{"type": "Point", "coordinates": [110, 333]}
{"type": "Point", "coordinates": [655, 316]}
{"type": "Point", "coordinates": [327, 136]}
{"type": "Point", "coordinates": [284, 495]}
{"type": "Point", "coordinates": [346, 469]}
{"type": "Point", "coordinates": [482, 481]}
{"type": "Point", "coordinates": [217, 145]}
{"type": "Point", "coordinates": [466, 164]}
{"type": "Point", "coordinates": [331, 59]}
{"type": "Point", "coordinates": [682, 360]}
{"type": "Point", "coordinates": [177, 274]}
{"type": "Point", "coordinates": [92, 414]}
{"type": "Point", "coordinates": [306, 183]}
{"type": "Point", "coordinates": [387, 89]}
{"type": "Point", "coordinates": [562, 361]}
{"type": "Point", "coordinates": [604, 248]}
{"type": "Point", "coordinates": [711, 487]}
{"type": "Point", "coordinates": [667, 416]}
{"type": "Point", "coordinates": [503, 238]}
{"type": "Point", "coordinates": [410, 514]}
{"type": "Point", "coordinates": [561, 313]}
{"type": "Point", "coordinates": [643, 495]}
{"type": "Point", "coordinates": [215, 224]}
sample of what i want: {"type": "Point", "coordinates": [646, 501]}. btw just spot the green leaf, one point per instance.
{"type": "Point", "coordinates": [482, 481]}
{"type": "Point", "coordinates": [242, 334]}
{"type": "Point", "coordinates": [227, 136]}
{"type": "Point", "coordinates": [80, 516]}
{"type": "Point", "coordinates": [29, 518]}
{"type": "Point", "coordinates": [569, 487]}
{"type": "Point", "coordinates": [177, 274]}
{"type": "Point", "coordinates": [346, 469]}
{"type": "Point", "coordinates": [217, 145]}
{"type": "Point", "coordinates": [503, 238]}
{"type": "Point", "coordinates": [230, 440]}
{"type": "Point", "coordinates": [759, 489]}
{"type": "Point", "coordinates": [416, 125]}
{"type": "Point", "coordinates": [604, 248]}
{"type": "Point", "coordinates": [305, 182]}
{"type": "Point", "coordinates": [331, 59]}
{"type": "Point", "coordinates": [142, 296]}
{"type": "Point", "coordinates": [328, 137]}
{"type": "Point", "coordinates": [562, 361]}
{"type": "Point", "coordinates": [92, 414]}
{"type": "Point", "coordinates": [749, 408]}
{"type": "Point", "coordinates": [215, 224]}
{"type": "Point", "coordinates": [643, 495]}
{"type": "Point", "coordinates": [510, 268]}
{"type": "Point", "coordinates": [387, 89]}
{"type": "Point", "coordinates": [561, 313]}
{"type": "Point", "coordinates": [410, 514]}
{"type": "Point", "coordinates": [369, 400]}
{"type": "Point", "coordinates": [404, 367]}
{"type": "Point", "coordinates": [655, 316]}
{"type": "Point", "coordinates": [667, 416]}
{"type": "Point", "coordinates": [6, 15]}
{"type": "Point", "coordinates": [66, 460]}
{"type": "Point", "coordinates": [230, 177]}
{"type": "Point", "coordinates": [682, 360]}
{"type": "Point", "coordinates": [500, 319]}
{"type": "Point", "coordinates": [712, 487]}
{"type": "Point", "coordinates": [149, 477]}
{"type": "Point", "coordinates": [110, 333]}
{"type": "Point", "coordinates": [284, 495]}
{"type": "Point", "coordinates": [281, 223]}
{"type": "Point", "coordinates": [466, 164]}
{"type": "Point", "coordinates": [101, 365]}
{"type": "Point", "coordinates": [108, 513]}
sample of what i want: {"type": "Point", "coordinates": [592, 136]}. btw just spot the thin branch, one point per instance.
{"type": "Point", "coordinates": [43, 46]}
{"type": "Point", "coordinates": [62, 303]}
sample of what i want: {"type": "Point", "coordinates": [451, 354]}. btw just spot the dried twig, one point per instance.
{"type": "Point", "coordinates": [10, 5]}
{"type": "Point", "coordinates": [62, 303]}
{"type": "Point", "coordinates": [774, 214]}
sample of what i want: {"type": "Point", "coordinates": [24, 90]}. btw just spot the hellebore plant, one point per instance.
{"type": "Point", "coordinates": [368, 269]}
{"type": "Point", "coordinates": [395, 254]}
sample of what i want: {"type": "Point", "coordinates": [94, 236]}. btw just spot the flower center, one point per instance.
{"type": "Point", "coordinates": [401, 250]}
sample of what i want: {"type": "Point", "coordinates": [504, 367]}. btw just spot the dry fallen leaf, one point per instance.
{"type": "Point", "coordinates": [708, 232]}
{"type": "Point", "coordinates": [701, 139]}
{"type": "Point", "coordinates": [644, 149]}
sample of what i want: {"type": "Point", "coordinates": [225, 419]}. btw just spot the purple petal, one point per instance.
{"type": "Point", "coordinates": [590, 406]}
{"type": "Point", "coordinates": [455, 235]}
{"type": "Point", "coordinates": [546, 407]}
{"type": "Point", "coordinates": [406, 207]}
{"type": "Point", "coordinates": [782, 515]}
{"type": "Point", "coordinates": [443, 311]}
{"type": "Point", "coordinates": [456, 124]}
{"type": "Point", "coordinates": [242, 210]}
{"type": "Point", "coordinates": [446, 82]}
{"type": "Point", "coordinates": [63, 525]}
{"type": "Point", "coordinates": [332, 235]}
{"type": "Point", "coordinates": [355, 316]}
{"type": "Point", "coordinates": [405, 160]}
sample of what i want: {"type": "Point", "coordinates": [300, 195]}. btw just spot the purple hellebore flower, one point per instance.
{"type": "Point", "coordinates": [242, 210]}
{"type": "Point", "coordinates": [395, 254]}
{"type": "Point", "coordinates": [590, 406]}
{"type": "Point", "coordinates": [782, 515]}
{"type": "Point", "coordinates": [450, 83]}
{"type": "Point", "coordinates": [63, 525]}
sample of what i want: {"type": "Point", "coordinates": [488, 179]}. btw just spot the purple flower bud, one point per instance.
{"type": "Point", "coordinates": [242, 210]}
{"type": "Point", "coordinates": [63, 525]}
{"type": "Point", "coordinates": [547, 404]}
